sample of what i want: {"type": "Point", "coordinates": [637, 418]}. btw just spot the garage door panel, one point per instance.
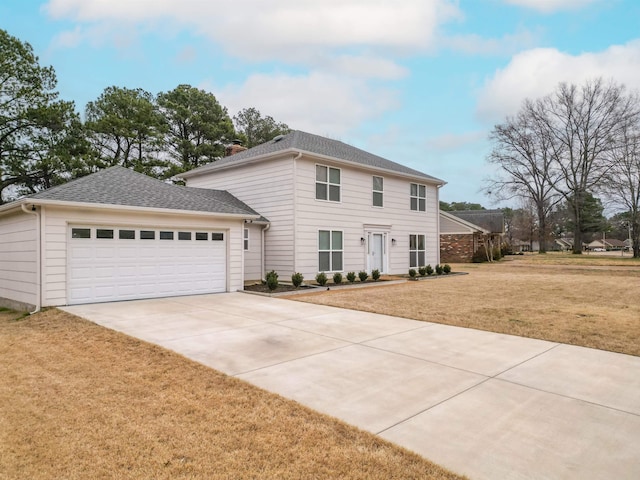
{"type": "Point", "coordinates": [124, 269]}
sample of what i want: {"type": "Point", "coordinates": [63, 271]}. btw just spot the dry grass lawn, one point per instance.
{"type": "Point", "coordinates": [79, 401]}
{"type": "Point", "coordinates": [581, 300]}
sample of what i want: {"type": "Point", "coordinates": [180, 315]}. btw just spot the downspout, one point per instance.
{"type": "Point", "coordinates": [264, 229]}
{"type": "Point", "coordinates": [35, 212]}
{"type": "Point", "coordinates": [295, 213]}
{"type": "Point", "coordinates": [438, 222]}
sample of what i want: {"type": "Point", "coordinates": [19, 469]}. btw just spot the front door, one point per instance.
{"type": "Point", "coordinates": [376, 252]}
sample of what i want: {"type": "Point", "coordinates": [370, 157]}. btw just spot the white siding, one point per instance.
{"type": "Point", "coordinates": [253, 256]}
{"type": "Point", "coordinates": [18, 258]}
{"type": "Point", "coordinates": [354, 212]}
{"type": "Point", "coordinates": [267, 187]}
{"type": "Point", "coordinates": [55, 231]}
{"type": "Point", "coordinates": [449, 226]}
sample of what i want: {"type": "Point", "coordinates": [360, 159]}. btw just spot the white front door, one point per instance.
{"type": "Point", "coordinates": [376, 252]}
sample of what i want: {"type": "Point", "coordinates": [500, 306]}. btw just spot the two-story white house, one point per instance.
{"type": "Point", "coordinates": [330, 207]}
{"type": "Point", "coordinates": [299, 203]}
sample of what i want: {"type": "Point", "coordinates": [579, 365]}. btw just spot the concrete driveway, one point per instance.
{"type": "Point", "coordinates": [482, 404]}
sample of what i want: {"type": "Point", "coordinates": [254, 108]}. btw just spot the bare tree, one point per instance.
{"type": "Point", "coordinates": [623, 179]}
{"type": "Point", "coordinates": [523, 150]}
{"type": "Point", "coordinates": [583, 125]}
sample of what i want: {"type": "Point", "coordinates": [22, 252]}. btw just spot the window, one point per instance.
{"type": "Point", "coordinates": [147, 234]}
{"type": "Point", "coordinates": [417, 251]}
{"type": "Point", "coordinates": [378, 187]}
{"type": "Point", "coordinates": [327, 183]}
{"type": "Point", "coordinates": [202, 236]}
{"type": "Point", "coordinates": [127, 234]}
{"type": "Point", "coordinates": [104, 233]}
{"type": "Point", "coordinates": [80, 233]}
{"type": "Point", "coordinates": [418, 197]}
{"type": "Point", "coordinates": [184, 235]}
{"type": "Point", "coordinates": [166, 235]}
{"type": "Point", "coordinates": [246, 239]}
{"type": "Point", "coordinates": [330, 250]}
{"type": "Point", "coordinates": [217, 237]}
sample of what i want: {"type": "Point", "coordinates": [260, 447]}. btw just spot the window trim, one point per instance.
{"type": "Point", "coordinates": [418, 250]}
{"type": "Point", "coordinates": [328, 183]}
{"type": "Point", "coordinates": [331, 250]}
{"type": "Point", "coordinates": [374, 191]}
{"type": "Point", "coordinates": [418, 197]}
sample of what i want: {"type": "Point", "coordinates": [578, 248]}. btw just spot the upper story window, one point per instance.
{"type": "Point", "coordinates": [327, 183]}
{"type": "Point", "coordinates": [418, 197]}
{"type": "Point", "coordinates": [378, 191]}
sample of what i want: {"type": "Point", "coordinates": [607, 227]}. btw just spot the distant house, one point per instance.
{"type": "Point", "coordinates": [463, 233]}
{"type": "Point", "coordinates": [607, 244]}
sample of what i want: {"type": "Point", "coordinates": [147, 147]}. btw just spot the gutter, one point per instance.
{"type": "Point", "coordinates": [262, 232]}
{"type": "Point", "coordinates": [35, 212]}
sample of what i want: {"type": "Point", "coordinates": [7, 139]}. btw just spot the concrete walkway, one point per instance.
{"type": "Point", "coordinates": [482, 404]}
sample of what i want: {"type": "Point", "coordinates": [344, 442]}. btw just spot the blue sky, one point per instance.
{"type": "Point", "coordinates": [421, 82]}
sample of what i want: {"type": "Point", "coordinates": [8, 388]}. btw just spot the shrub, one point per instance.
{"type": "Point", "coordinates": [351, 276]}
{"type": "Point", "coordinates": [506, 249]}
{"type": "Point", "coordinates": [337, 278]}
{"type": "Point", "coordinates": [375, 274]}
{"type": "Point", "coordinates": [446, 269]}
{"type": "Point", "coordinates": [321, 278]}
{"type": "Point", "coordinates": [362, 275]}
{"type": "Point", "coordinates": [439, 269]}
{"type": "Point", "coordinates": [297, 279]}
{"type": "Point", "coordinates": [429, 269]}
{"type": "Point", "coordinates": [412, 273]}
{"type": "Point", "coordinates": [272, 280]}
{"type": "Point", "coordinates": [479, 256]}
{"type": "Point", "coordinates": [497, 253]}
{"type": "Point", "coordinates": [422, 271]}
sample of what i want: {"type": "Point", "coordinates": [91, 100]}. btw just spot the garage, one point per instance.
{"type": "Point", "coordinates": [119, 235]}
{"type": "Point", "coordinates": [107, 263]}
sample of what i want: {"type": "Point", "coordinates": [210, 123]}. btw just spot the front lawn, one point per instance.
{"type": "Point", "coordinates": [80, 401]}
{"type": "Point", "coordinates": [580, 300]}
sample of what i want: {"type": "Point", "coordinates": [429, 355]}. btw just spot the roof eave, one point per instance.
{"type": "Point", "coordinates": [132, 208]}
{"type": "Point", "coordinates": [467, 224]}
{"type": "Point", "coordinates": [296, 151]}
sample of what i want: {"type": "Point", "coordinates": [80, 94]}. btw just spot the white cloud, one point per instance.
{"type": "Point", "coordinates": [550, 6]}
{"type": "Point", "coordinates": [258, 30]}
{"type": "Point", "coordinates": [535, 73]}
{"type": "Point", "coordinates": [317, 102]}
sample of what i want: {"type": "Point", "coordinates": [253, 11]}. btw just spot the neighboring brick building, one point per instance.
{"type": "Point", "coordinates": [462, 233]}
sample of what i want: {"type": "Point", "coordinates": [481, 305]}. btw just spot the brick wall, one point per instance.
{"type": "Point", "coordinates": [456, 248]}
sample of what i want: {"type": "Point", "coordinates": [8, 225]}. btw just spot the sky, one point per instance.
{"type": "Point", "coordinates": [420, 82]}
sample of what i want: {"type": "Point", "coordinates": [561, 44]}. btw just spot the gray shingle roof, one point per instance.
{"type": "Point", "coordinates": [297, 140]}
{"type": "Point", "coordinates": [492, 220]}
{"type": "Point", "coordinates": [121, 186]}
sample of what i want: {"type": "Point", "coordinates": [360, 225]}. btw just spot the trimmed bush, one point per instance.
{"type": "Point", "coordinates": [439, 269]}
{"type": "Point", "coordinates": [272, 280]}
{"type": "Point", "coordinates": [429, 269]}
{"type": "Point", "coordinates": [362, 275]}
{"type": "Point", "coordinates": [321, 278]}
{"type": "Point", "coordinates": [297, 279]}
{"type": "Point", "coordinates": [446, 269]}
{"type": "Point", "coordinates": [375, 274]}
{"type": "Point", "coordinates": [351, 276]}
{"type": "Point", "coordinates": [337, 278]}
{"type": "Point", "coordinates": [479, 256]}
{"type": "Point", "coordinates": [412, 272]}
{"type": "Point", "coordinates": [422, 271]}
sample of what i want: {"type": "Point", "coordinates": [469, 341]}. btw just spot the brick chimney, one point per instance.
{"type": "Point", "coordinates": [235, 147]}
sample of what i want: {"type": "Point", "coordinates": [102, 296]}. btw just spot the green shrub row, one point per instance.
{"type": "Point", "coordinates": [428, 270]}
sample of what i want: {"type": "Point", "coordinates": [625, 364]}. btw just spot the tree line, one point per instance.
{"type": "Point", "coordinates": [44, 141]}
{"type": "Point", "coordinates": [563, 151]}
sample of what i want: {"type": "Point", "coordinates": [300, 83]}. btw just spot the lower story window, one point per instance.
{"type": "Point", "coordinates": [417, 251]}
{"type": "Point", "coordinates": [246, 239]}
{"type": "Point", "coordinates": [330, 250]}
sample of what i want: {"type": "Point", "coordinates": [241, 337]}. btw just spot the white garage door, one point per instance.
{"type": "Point", "coordinates": [124, 263]}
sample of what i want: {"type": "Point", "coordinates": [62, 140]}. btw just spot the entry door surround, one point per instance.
{"type": "Point", "coordinates": [377, 248]}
